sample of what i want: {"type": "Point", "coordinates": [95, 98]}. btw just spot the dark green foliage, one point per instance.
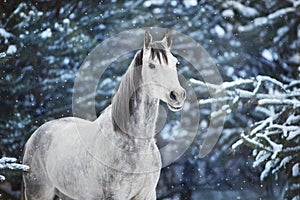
{"type": "Point", "coordinates": [52, 38]}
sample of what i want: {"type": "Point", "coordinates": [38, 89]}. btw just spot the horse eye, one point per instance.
{"type": "Point", "coordinates": [177, 64]}
{"type": "Point", "coordinates": [152, 66]}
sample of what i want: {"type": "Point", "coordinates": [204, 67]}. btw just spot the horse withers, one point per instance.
{"type": "Point", "coordinates": [114, 157]}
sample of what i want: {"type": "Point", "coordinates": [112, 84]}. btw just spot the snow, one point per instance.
{"type": "Point", "coordinates": [22, 14]}
{"type": "Point", "coordinates": [4, 33]}
{"type": "Point", "coordinates": [227, 85]}
{"type": "Point", "coordinates": [254, 152]}
{"type": "Point", "coordinates": [269, 165]}
{"type": "Point", "coordinates": [220, 31]}
{"type": "Point", "coordinates": [230, 71]}
{"type": "Point", "coordinates": [295, 58]}
{"type": "Point", "coordinates": [295, 103]}
{"type": "Point", "coordinates": [9, 163]}
{"type": "Point", "coordinates": [237, 144]}
{"type": "Point", "coordinates": [262, 21]}
{"type": "Point", "coordinates": [2, 54]}
{"type": "Point", "coordinates": [7, 159]}
{"type": "Point", "coordinates": [260, 158]}
{"type": "Point", "coordinates": [244, 93]}
{"type": "Point", "coordinates": [46, 33]}
{"type": "Point", "coordinates": [236, 99]}
{"type": "Point", "coordinates": [242, 9]}
{"type": "Point", "coordinates": [66, 21]}
{"type": "Point", "coordinates": [261, 126]}
{"type": "Point", "coordinates": [269, 101]}
{"type": "Point", "coordinates": [281, 32]}
{"type": "Point", "coordinates": [292, 150]}
{"type": "Point", "coordinates": [264, 110]}
{"type": "Point", "coordinates": [296, 170]}
{"type": "Point", "coordinates": [296, 3]}
{"type": "Point", "coordinates": [190, 3]}
{"type": "Point", "coordinates": [156, 10]}
{"type": "Point", "coordinates": [147, 4]}
{"type": "Point", "coordinates": [213, 100]}
{"type": "Point", "coordinates": [232, 89]}
{"type": "Point", "coordinates": [258, 85]}
{"type": "Point", "coordinates": [203, 84]}
{"type": "Point", "coordinates": [66, 61]}
{"type": "Point", "coordinates": [31, 12]}
{"type": "Point", "coordinates": [248, 140]}
{"type": "Point", "coordinates": [228, 13]}
{"type": "Point", "coordinates": [19, 8]}
{"type": "Point", "coordinates": [220, 112]}
{"type": "Point", "coordinates": [269, 79]}
{"type": "Point", "coordinates": [102, 27]}
{"type": "Point", "coordinates": [40, 13]}
{"type": "Point", "coordinates": [12, 49]}
{"type": "Point", "coordinates": [295, 187]}
{"type": "Point", "coordinates": [241, 95]}
{"type": "Point", "coordinates": [267, 54]}
{"type": "Point", "coordinates": [173, 3]}
{"type": "Point", "coordinates": [275, 147]}
{"type": "Point", "coordinates": [283, 163]}
{"type": "Point", "coordinates": [292, 119]}
{"type": "Point", "coordinates": [283, 128]}
{"type": "Point", "coordinates": [266, 171]}
{"type": "Point", "coordinates": [294, 133]}
{"type": "Point", "coordinates": [58, 27]}
{"type": "Point", "coordinates": [153, 2]}
{"type": "Point", "coordinates": [296, 197]}
{"type": "Point", "coordinates": [280, 13]}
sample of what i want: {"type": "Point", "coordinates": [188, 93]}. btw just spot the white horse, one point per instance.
{"type": "Point", "coordinates": [114, 157]}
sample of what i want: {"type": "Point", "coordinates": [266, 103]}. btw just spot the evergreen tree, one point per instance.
{"type": "Point", "coordinates": [43, 44]}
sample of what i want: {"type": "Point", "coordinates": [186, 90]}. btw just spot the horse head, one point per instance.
{"type": "Point", "coordinates": [159, 72]}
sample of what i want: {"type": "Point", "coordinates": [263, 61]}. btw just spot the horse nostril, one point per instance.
{"type": "Point", "coordinates": [173, 96]}
{"type": "Point", "coordinates": [183, 94]}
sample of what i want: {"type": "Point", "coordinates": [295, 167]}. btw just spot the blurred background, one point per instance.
{"type": "Point", "coordinates": [44, 42]}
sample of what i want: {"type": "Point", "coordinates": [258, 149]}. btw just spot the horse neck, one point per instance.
{"type": "Point", "coordinates": [144, 116]}
{"type": "Point", "coordinates": [134, 115]}
{"type": "Point", "coordinates": [134, 112]}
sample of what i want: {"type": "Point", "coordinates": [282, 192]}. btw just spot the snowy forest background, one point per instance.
{"type": "Point", "coordinates": [255, 45]}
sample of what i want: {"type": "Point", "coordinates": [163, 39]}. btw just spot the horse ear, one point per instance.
{"type": "Point", "coordinates": [147, 40]}
{"type": "Point", "coordinates": [168, 39]}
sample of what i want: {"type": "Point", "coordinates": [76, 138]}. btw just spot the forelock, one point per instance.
{"type": "Point", "coordinates": [159, 50]}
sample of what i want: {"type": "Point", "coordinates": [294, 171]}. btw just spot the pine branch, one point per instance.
{"type": "Point", "coordinates": [9, 163]}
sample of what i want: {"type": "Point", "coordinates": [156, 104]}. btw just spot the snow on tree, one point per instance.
{"type": "Point", "coordinates": [9, 163]}
{"type": "Point", "coordinates": [275, 136]}
{"type": "Point", "coordinates": [37, 71]}
{"type": "Point", "coordinates": [44, 42]}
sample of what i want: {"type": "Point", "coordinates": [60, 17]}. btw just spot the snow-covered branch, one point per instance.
{"type": "Point", "coordinates": [9, 163]}
{"type": "Point", "coordinates": [262, 21]}
{"type": "Point", "coordinates": [242, 9]}
{"type": "Point", "coordinates": [275, 135]}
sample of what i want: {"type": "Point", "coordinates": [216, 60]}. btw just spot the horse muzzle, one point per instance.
{"type": "Point", "coordinates": [176, 100]}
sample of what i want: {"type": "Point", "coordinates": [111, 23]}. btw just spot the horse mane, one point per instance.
{"type": "Point", "coordinates": [123, 100]}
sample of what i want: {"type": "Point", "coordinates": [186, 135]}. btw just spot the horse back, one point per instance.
{"type": "Point", "coordinates": [42, 138]}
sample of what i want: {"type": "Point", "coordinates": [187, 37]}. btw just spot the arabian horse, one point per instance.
{"type": "Point", "coordinates": [114, 157]}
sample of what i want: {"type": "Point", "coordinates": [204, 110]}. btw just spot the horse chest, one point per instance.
{"type": "Point", "coordinates": [118, 185]}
